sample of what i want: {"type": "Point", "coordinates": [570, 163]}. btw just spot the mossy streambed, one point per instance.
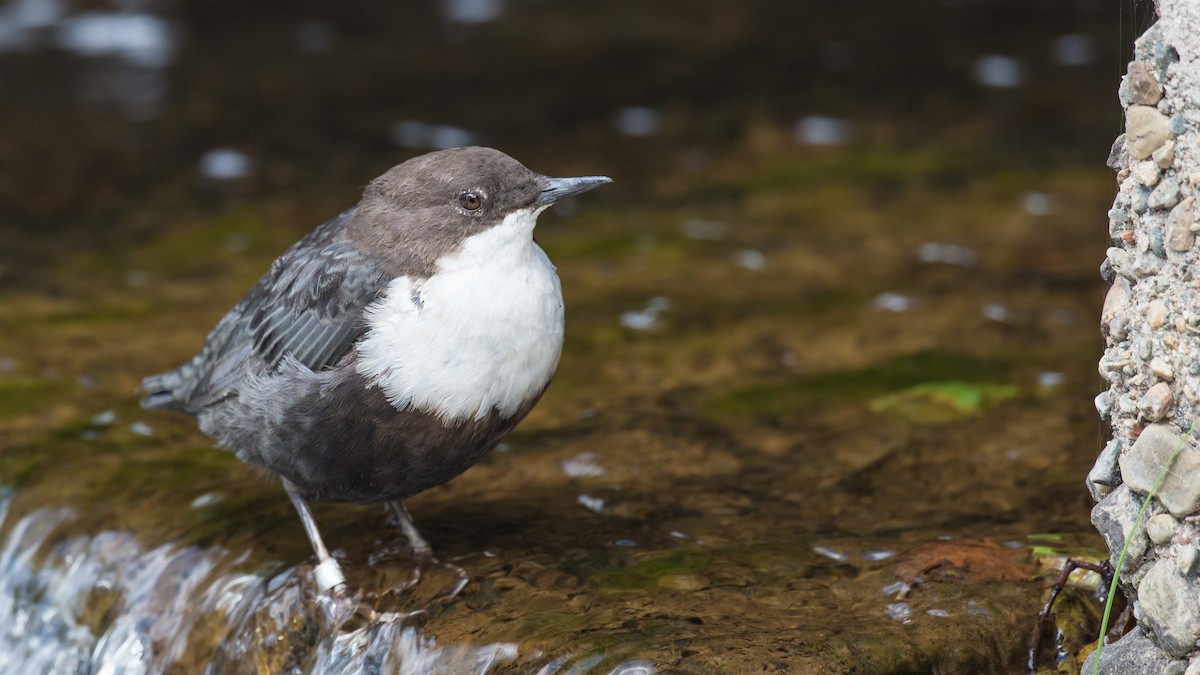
{"type": "Point", "coordinates": [783, 437]}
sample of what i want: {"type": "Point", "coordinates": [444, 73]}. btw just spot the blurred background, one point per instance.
{"type": "Point", "coordinates": [833, 328]}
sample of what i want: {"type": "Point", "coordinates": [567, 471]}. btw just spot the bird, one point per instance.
{"type": "Point", "coordinates": [393, 346]}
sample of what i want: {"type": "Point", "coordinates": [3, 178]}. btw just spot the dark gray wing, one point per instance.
{"type": "Point", "coordinates": [308, 306]}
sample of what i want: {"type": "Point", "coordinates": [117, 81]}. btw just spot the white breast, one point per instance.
{"type": "Point", "coordinates": [485, 331]}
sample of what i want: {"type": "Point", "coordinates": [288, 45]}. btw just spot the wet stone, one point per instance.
{"type": "Point", "coordinates": [1161, 528]}
{"type": "Point", "coordinates": [1143, 88]}
{"type": "Point", "coordinates": [1145, 131]}
{"type": "Point", "coordinates": [1141, 466]}
{"type": "Point", "coordinates": [1165, 196]}
{"type": "Point", "coordinates": [1169, 608]}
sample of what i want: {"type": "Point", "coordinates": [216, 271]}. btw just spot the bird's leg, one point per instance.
{"type": "Point", "coordinates": [421, 550]}
{"type": "Point", "coordinates": [328, 572]}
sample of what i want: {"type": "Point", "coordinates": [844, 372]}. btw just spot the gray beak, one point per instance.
{"type": "Point", "coordinates": [561, 188]}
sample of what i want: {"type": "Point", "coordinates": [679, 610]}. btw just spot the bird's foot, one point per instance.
{"type": "Point", "coordinates": [424, 561]}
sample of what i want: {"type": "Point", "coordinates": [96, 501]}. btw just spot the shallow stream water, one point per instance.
{"type": "Point", "coordinates": [825, 398]}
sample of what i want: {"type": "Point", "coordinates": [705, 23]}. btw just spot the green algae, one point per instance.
{"type": "Point", "coordinates": [651, 571]}
{"type": "Point", "coordinates": [943, 401]}
{"type": "Point", "coordinates": [797, 394]}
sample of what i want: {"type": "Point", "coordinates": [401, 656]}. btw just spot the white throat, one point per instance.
{"type": "Point", "coordinates": [484, 332]}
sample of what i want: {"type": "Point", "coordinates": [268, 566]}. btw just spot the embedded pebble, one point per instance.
{"type": "Point", "coordinates": [1106, 471]}
{"type": "Point", "coordinates": [1134, 654]}
{"type": "Point", "coordinates": [1177, 126]}
{"type": "Point", "coordinates": [1180, 236]}
{"type": "Point", "coordinates": [1164, 157]}
{"type": "Point", "coordinates": [1143, 88]}
{"type": "Point", "coordinates": [1146, 173]}
{"type": "Point", "coordinates": [1123, 94]}
{"type": "Point", "coordinates": [1113, 518]}
{"type": "Point", "coordinates": [1146, 264]}
{"type": "Point", "coordinates": [1182, 217]}
{"type": "Point", "coordinates": [1138, 199]}
{"type": "Point", "coordinates": [1185, 561]}
{"type": "Point", "coordinates": [1156, 313]}
{"type": "Point", "coordinates": [1161, 528]}
{"type": "Point", "coordinates": [1162, 369]}
{"type": "Point", "coordinates": [1158, 242]}
{"type": "Point", "coordinates": [1118, 155]}
{"type": "Point", "coordinates": [1119, 259]}
{"type": "Point", "coordinates": [1116, 300]}
{"type": "Point", "coordinates": [1156, 402]}
{"type": "Point", "coordinates": [1118, 328]}
{"type": "Point", "coordinates": [1168, 608]}
{"type": "Point", "coordinates": [1126, 405]}
{"type": "Point", "coordinates": [1144, 349]}
{"type": "Point", "coordinates": [1145, 131]}
{"type": "Point", "coordinates": [1103, 403]}
{"type": "Point", "coordinates": [1142, 464]}
{"type": "Point", "coordinates": [1165, 196]}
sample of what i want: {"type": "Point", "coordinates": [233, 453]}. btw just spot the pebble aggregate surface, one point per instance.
{"type": "Point", "coordinates": [1151, 324]}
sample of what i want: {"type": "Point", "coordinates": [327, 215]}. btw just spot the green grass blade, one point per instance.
{"type": "Point", "coordinates": [1112, 589]}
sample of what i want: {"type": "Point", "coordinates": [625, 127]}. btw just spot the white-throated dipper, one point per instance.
{"type": "Point", "coordinates": [393, 346]}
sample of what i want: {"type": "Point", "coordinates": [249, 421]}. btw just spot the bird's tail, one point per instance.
{"type": "Point", "coordinates": [163, 391]}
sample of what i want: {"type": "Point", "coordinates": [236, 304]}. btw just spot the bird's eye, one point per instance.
{"type": "Point", "coordinates": [470, 201]}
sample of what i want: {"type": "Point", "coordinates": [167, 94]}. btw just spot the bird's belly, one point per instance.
{"type": "Point", "coordinates": [463, 344]}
